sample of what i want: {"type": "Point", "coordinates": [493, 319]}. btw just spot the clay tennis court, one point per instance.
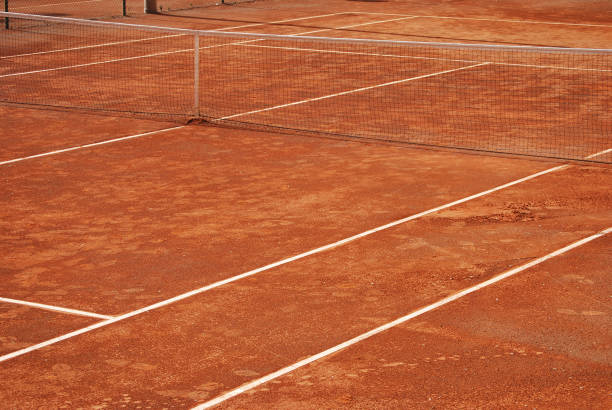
{"type": "Point", "coordinates": [299, 223]}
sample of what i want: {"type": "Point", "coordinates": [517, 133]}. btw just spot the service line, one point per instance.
{"type": "Point", "coordinates": [351, 26]}
{"type": "Point", "coordinates": [556, 23]}
{"type": "Point", "coordinates": [253, 272]}
{"type": "Point", "coordinates": [282, 21]}
{"type": "Point", "coordinates": [285, 370]}
{"type": "Point", "coordinates": [54, 308]}
{"type": "Point", "coordinates": [355, 90]}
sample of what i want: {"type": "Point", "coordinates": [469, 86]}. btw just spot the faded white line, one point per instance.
{"type": "Point", "coordinates": [116, 60]}
{"type": "Point", "coordinates": [55, 308]}
{"type": "Point", "coordinates": [351, 91]}
{"type": "Point", "coordinates": [281, 21]}
{"type": "Point", "coordinates": [600, 153]}
{"type": "Point", "coordinates": [317, 50]}
{"type": "Point", "coordinates": [94, 144]}
{"type": "Point", "coordinates": [156, 38]}
{"type": "Point", "coordinates": [116, 139]}
{"type": "Point", "coordinates": [351, 26]}
{"type": "Point", "coordinates": [258, 382]}
{"type": "Point", "coordinates": [557, 23]}
{"type": "Point", "coordinates": [273, 265]}
{"type": "Point", "coordinates": [34, 6]}
{"type": "Point", "coordinates": [110, 44]}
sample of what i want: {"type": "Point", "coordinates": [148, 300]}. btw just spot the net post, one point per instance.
{"type": "Point", "coordinates": [150, 6]}
{"type": "Point", "coordinates": [6, 19]}
{"type": "Point", "coordinates": [124, 8]}
{"type": "Point", "coordinates": [196, 75]}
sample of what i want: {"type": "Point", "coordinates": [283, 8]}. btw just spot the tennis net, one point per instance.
{"type": "Point", "coordinates": [86, 9]}
{"type": "Point", "coordinates": [98, 9]}
{"type": "Point", "coordinates": [545, 102]}
{"type": "Point", "coordinates": [164, 6]}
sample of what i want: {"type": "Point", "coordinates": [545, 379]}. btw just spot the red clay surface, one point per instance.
{"type": "Point", "coordinates": [153, 72]}
{"type": "Point", "coordinates": [127, 224]}
{"type": "Point", "coordinates": [29, 131]}
{"type": "Point", "coordinates": [537, 340]}
{"type": "Point", "coordinates": [569, 11]}
{"type": "Point", "coordinates": [118, 227]}
{"type": "Point", "coordinates": [475, 32]}
{"type": "Point", "coordinates": [195, 349]}
{"type": "Point", "coordinates": [21, 326]}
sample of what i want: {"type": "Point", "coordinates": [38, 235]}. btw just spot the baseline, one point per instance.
{"type": "Point", "coordinates": [496, 20]}
{"type": "Point", "coordinates": [351, 26]}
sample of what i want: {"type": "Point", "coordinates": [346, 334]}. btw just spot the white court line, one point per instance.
{"type": "Point", "coordinates": [285, 370]}
{"type": "Point", "coordinates": [351, 26]}
{"type": "Point", "coordinates": [556, 23]}
{"type": "Point", "coordinates": [597, 154]}
{"type": "Point", "coordinates": [281, 262]}
{"type": "Point", "coordinates": [54, 4]}
{"type": "Point", "coordinates": [116, 60]}
{"type": "Point", "coordinates": [207, 47]}
{"type": "Point", "coordinates": [317, 50]}
{"type": "Point", "coordinates": [351, 91]}
{"type": "Point", "coordinates": [141, 56]}
{"type": "Point", "coordinates": [94, 144]}
{"type": "Point", "coordinates": [272, 265]}
{"type": "Point", "coordinates": [242, 43]}
{"type": "Point", "coordinates": [282, 21]}
{"type": "Point", "coordinates": [357, 53]}
{"type": "Point", "coordinates": [169, 52]}
{"type": "Point", "coordinates": [114, 43]}
{"type": "Point", "coordinates": [246, 113]}
{"type": "Point", "coordinates": [157, 37]}
{"type": "Point", "coordinates": [54, 308]}
{"type": "Point", "coordinates": [255, 271]}
{"type": "Point", "coordinates": [116, 139]}
{"type": "Point", "coordinates": [553, 67]}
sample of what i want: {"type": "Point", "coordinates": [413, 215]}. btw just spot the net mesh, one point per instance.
{"type": "Point", "coordinates": [545, 102]}
{"type": "Point", "coordinates": [98, 9]}
{"type": "Point", "coordinates": [164, 6]}
{"type": "Point", "coordinates": [87, 9]}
